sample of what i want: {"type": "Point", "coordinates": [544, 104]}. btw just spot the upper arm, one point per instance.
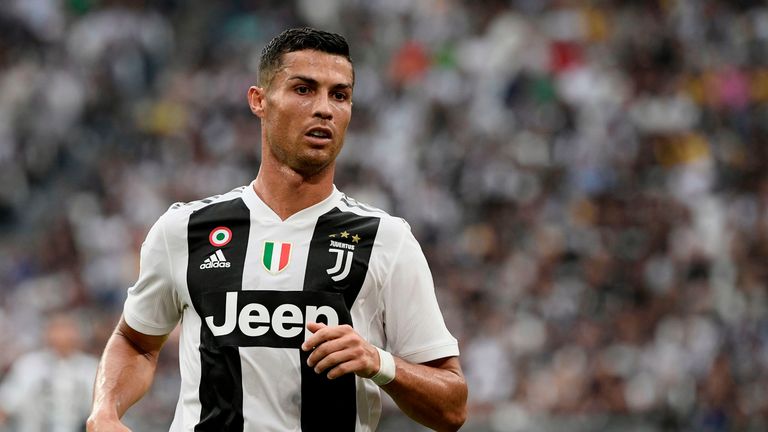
{"type": "Point", "coordinates": [144, 344]}
{"type": "Point", "coordinates": [153, 306]}
{"type": "Point", "coordinates": [450, 364]}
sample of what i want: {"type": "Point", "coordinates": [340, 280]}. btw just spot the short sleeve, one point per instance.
{"type": "Point", "coordinates": [152, 306]}
{"type": "Point", "coordinates": [414, 325]}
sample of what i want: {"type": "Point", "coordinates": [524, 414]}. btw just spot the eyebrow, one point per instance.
{"type": "Point", "coordinates": [316, 83]}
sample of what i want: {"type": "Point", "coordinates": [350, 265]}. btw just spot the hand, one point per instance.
{"type": "Point", "coordinates": [340, 350]}
{"type": "Point", "coordinates": [97, 424]}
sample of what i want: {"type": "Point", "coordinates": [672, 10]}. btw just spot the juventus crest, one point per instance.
{"type": "Point", "coordinates": [344, 255]}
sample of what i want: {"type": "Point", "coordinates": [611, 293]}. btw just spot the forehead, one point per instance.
{"type": "Point", "coordinates": [322, 67]}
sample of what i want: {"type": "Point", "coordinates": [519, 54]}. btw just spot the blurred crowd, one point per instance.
{"type": "Point", "coordinates": [587, 179]}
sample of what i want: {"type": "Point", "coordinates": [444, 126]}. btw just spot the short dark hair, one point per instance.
{"type": "Point", "coordinates": [297, 39]}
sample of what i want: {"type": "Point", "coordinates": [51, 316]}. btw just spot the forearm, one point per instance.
{"type": "Point", "coordinates": [434, 394]}
{"type": "Point", "coordinates": [125, 372]}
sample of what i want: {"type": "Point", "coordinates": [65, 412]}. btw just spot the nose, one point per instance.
{"type": "Point", "coordinates": [322, 108]}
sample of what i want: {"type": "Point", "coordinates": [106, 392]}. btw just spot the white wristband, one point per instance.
{"type": "Point", "coordinates": [386, 372]}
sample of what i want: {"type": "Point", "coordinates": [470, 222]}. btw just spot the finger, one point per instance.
{"type": "Point", "coordinates": [315, 339]}
{"type": "Point", "coordinates": [324, 334]}
{"type": "Point", "coordinates": [334, 360]}
{"type": "Point", "coordinates": [315, 326]}
{"type": "Point", "coordinates": [330, 340]}
{"type": "Point", "coordinates": [353, 347]}
{"type": "Point", "coordinates": [326, 348]}
{"type": "Point", "coordinates": [344, 368]}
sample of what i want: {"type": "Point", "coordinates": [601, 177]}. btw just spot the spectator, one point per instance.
{"type": "Point", "coordinates": [50, 389]}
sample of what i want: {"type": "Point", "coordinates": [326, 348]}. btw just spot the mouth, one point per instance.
{"type": "Point", "coordinates": [319, 135]}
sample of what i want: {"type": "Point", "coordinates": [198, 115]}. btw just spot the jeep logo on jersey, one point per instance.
{"type": "Point", "coordinates": [220, 236]}
{"type": "Point", "coordinates": [344, 252]}
{"type": "Point", "coordinates": [270, 318]}
{"type": "Point", "coordinates": [276, 256]}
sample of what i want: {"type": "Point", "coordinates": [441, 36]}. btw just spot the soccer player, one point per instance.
{"type": "Point", "coordinates": [297, 303]}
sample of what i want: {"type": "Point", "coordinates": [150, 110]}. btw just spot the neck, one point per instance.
{"type": "Point", "coordinates": [287, 192]}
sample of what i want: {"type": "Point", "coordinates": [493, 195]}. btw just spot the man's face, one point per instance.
{"type": "Point", "coordinates": [305, 110]}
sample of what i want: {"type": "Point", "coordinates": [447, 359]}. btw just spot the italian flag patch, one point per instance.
{"type": "Point", "coordinates": [276, 256]}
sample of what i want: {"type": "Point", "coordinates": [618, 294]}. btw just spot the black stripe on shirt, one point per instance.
{"type": "Point", "coordinates": [221, 392]}
{"type": "Point", "coordinates": [330, 405]}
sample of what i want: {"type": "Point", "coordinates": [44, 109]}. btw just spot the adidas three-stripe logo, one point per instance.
{"type": "Point", "coordinates": [216, 260]}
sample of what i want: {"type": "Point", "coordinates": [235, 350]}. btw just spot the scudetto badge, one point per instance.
{"type": "Point", "coordinates": [276, 256]}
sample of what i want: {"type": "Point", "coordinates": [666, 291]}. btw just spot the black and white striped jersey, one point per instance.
{"type": "Point", "coordinates": [244, 283]}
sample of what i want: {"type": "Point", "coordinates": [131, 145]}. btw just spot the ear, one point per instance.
{"type": "Point", "coordinates": [256, 100]}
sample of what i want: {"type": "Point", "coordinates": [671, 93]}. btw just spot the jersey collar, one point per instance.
{"type": "Point", "coordinates": [261, 210]}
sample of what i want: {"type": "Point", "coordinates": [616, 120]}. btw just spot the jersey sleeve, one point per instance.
{"type": "Point", "coordinates": [413, 323]}
{"type": "Point", "coordinates": [153, 306]}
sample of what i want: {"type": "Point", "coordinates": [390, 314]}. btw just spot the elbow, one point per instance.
{"type": "Point", "coordinates": [457, 415]}
{"type": "Point", "coordinates": [456, 418]}
{"type": "Point", "coordinates": [452, 421]}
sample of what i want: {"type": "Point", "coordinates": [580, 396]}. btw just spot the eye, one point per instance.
{"type": "Point", "coordinates": [340, 96]}
{"type": "Point", "coordinates": [302, 90]}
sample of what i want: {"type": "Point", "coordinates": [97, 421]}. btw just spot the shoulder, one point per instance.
{"type": "Point", "coordinates": [178, 213]}
{"type": "Point", "coordinates": [33, 360]}
{"type": "Point", "coordinates": [390, 226]}
{"type": "Point", "coordinates": [85, 361]}
{"type": "Point", "coordinates": [189, 207]}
